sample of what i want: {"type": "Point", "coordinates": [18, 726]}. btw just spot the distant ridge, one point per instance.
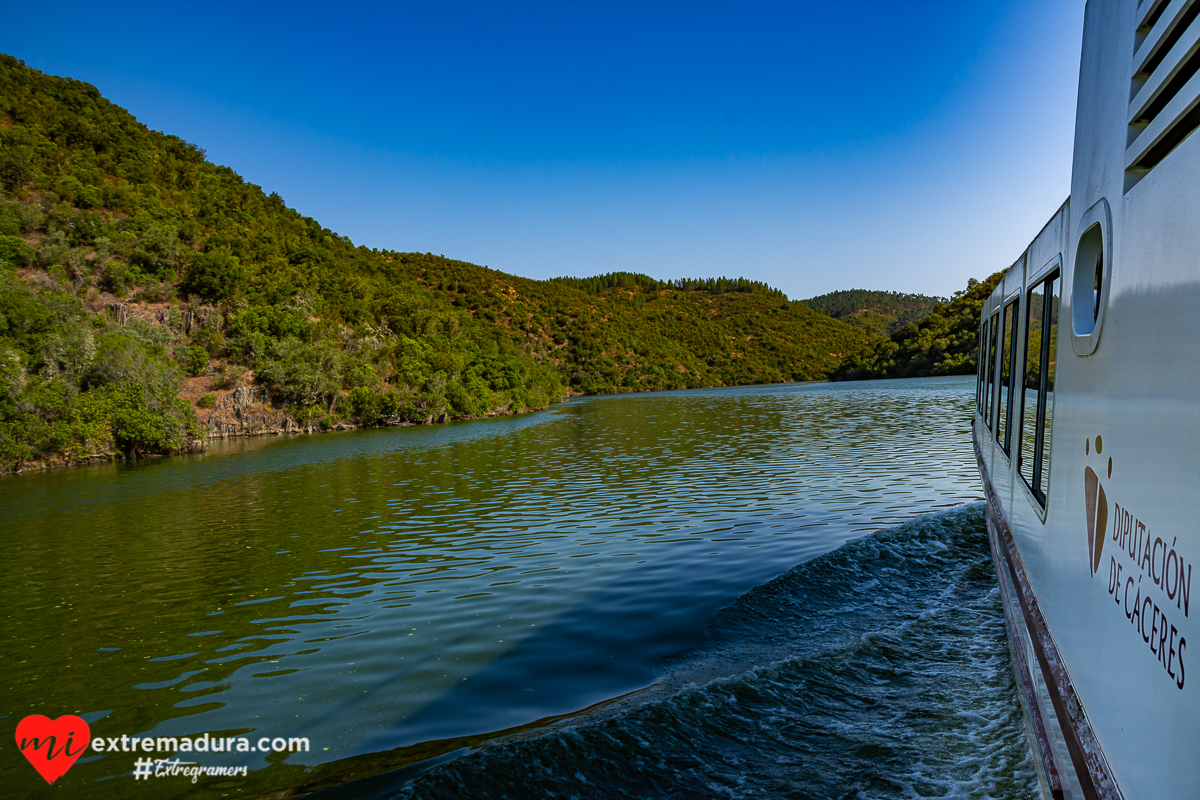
{"type": "Point", "coordinates": [943, 342]}
{"type": "Point", "coordinates": [880, 312]}
{"type": "Point", "coordinates": [632, 280]}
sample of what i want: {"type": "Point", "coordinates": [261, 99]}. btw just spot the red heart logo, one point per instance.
{"type": "Point", "coordinates": [50, 744]}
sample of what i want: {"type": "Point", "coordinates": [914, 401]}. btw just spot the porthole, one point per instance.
{"type": "Point", "coordinates": [1089, 279]}
{"type": "Point", "coordinates": [1092, 274]}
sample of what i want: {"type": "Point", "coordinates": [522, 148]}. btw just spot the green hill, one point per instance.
{"type": "Point", "coordinates": [943, 342]}
{"type": "Point", "coordinates": [882, 313]}
{"type": "Point", "coordinates": [142, 285]}
{"type": "Point", "coordinates": [632, 333]}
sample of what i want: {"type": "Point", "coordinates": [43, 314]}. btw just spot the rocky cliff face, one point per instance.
{"type": "Point", "coordinates": [247, 411]}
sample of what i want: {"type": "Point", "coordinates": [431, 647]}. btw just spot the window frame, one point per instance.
{"type": "Point", "coordinates": [989, 384]}
{"type": "Point", "coordinates": [1010, 328]}
{"type": "Point", "coordinates": [1087, 308]}
{"type": "Point", "coordinates": [1050, 272]}
{"type": "Point", "coordinates": [981, 363]}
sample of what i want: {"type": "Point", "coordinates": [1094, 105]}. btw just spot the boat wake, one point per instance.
{"type": "Point", "coordinates": [880, 669]}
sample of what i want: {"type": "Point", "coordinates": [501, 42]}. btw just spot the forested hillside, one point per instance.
{"type": "Point", "coordinates": [626, 332]}
{"type": "Point", "coordinates": [141, 286]}
{"type": "Point", "coordinates": [944, 342]}
{"type": "Point", "coordinates": [882, 313]}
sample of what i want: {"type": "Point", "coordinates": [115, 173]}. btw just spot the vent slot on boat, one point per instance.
{"type": "Point", "coordinates": [1149, 13]}
{"type": "Point", "coordinates": [1164, 105]}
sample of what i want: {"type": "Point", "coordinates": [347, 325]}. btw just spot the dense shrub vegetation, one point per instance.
{"type": "Point", "coordinates": [97, 210]}
{"type": "Point", "coordinates": [626, 332]}
{"type": "Point", "coordinates": [131, 266]}
{"type": "Point", "coordinates": [944, 342]}
{"type": "Point", "coordinates": [883, 313]}
{"type": "Point", "coordinates": [76, 384]}
{"type": "Point", "coordinates": [636, 282]}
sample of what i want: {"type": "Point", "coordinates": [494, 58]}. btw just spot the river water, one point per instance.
{"type": "Point", "coordinates": [753, 592]}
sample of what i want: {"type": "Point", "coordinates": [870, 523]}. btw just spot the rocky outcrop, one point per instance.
{"type": "Point", "coordinates": [247, 411]}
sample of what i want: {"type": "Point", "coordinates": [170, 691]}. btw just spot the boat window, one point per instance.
{"type": "Point", "coordinates": [1037, 385]}
{"type": "Point", "coordinates": [1046, 409]}
{"type": "Point", "coordinates": [1091, 278]}
{"type": "Point", "coordinates": [981, 366]}
{"type": "Point", "coordinates": [1006, 377]}
{"type": "Point", "coordinates": [1031, 382]}
{"type": "Point", "coordinates": [1089, 281]}
{"type": "Point", "coordinates": [990, 382]}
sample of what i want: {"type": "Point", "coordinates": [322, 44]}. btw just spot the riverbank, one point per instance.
{"type": "Point", "coordinates": [247, 412]}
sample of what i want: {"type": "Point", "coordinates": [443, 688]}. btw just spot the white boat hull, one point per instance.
{"type": "Point", "coordinates": [1098, 568]}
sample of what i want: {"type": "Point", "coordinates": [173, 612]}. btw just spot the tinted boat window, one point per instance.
{"type": "Point", "coordinates": [981, 366]}
{"type": "Point", "coordinates": [1046, 411]}
{"type": "Point", "coordinates": [1037, 385]}
{"type": "Point", "coordinates": [991, 368]}
{"type": "Point", "coordinates": [1008, 364]}
{"type": "Point", "coordinates": [1031, 383]}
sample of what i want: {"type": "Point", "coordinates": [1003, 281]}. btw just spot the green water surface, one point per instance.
{"type": "Point", "coordinates": [394, 594]}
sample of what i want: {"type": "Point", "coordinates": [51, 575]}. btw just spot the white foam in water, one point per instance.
{"type": "Point", "coordinates": [880, 669]}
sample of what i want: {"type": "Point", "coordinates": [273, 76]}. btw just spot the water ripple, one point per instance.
{"type": "Point", "coordinates": [390, 588]}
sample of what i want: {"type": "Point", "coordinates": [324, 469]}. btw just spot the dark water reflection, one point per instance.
{"type": "Point", "coordinates": [379, 589]}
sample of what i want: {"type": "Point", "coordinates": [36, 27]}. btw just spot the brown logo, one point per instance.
{"type": "Point", "coordinates": [1097, 505]}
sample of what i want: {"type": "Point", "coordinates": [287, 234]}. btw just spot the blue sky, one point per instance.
{"type": "Point", "coordinates": [904, 145]}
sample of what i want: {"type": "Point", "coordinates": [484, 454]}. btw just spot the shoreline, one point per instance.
{"type": "Point", "coordinates": [201, 445]}
{"type": "Point", "coordinates": [294, 429]}
{"type": "Point", "coordinates": [233, 403]}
